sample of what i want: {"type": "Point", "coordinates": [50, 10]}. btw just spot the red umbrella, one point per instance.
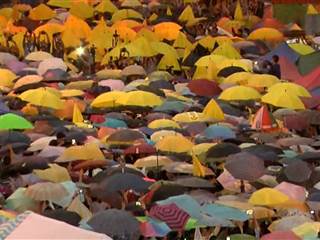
{"type": "Point", "coordinates": [263, 120]}
{"type": "Point", "coordinates": [289, 70]}
{"type": "Point", "coordinates": [285, 235]}
{"type": "Point", "coordinates": [171, 214]}
{"type": "Point", "coordinates": [143, 148]}
{"type": "Point", "coordinates": [204, 87]}
{"type": "Point", "coordinates": [310, 81]}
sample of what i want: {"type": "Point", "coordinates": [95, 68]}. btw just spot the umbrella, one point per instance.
{"type": "Point", "coordinates": [150, 227]}
{"type": "Point", "coordinates": [140, 99]}
{"type": "Point", "coordinates": [266, 34]}
{"type": "Point", "coordinates": [292, 88]}
{"type": "Point", "coordinates": [54, 174]}
{"type": "Point", "coordinates": [20, 202]}
{"type": "Point", "coordinates": [268, 197]}
{"type": "Point", "coordinates": [123, 182]}
{"type": "Point", "coordinates": [185, 168]}
{"type": "Point", "coordinates": [168, 144]}
{"type": "Point", "coordinates": [287, 99]}
{"type": "Point", "coordinates": [292, 191]}
{"type": "Point", "coordinates": [26, 80]}
{"type": "Point", "coordinates": [239, 93]}
{"type": "Point", "coordinates": [291, 141]}
{"type": "Point", "coordinates": [171, 214]}
{"type": "Point", "coordinates": [107, 99]}
{"type": "Point", "coordinates": [89, 151]}
{"type": "Point", "coordinates": [262, 80]}
{"type": "Point", "coordinates": [13, 121]}
{"type": "Point", "coordinates": [203, 87]}
{"type": "Point", "coordinates": [46, 191]}
{"type": "Point", "coordinates": [20, 228]}
{"type": "Point", "coordinates": [9, 137]}
{"type": "Point", "coordinates": [163, 123]}
{"type": "Point", "coordinates": [49, 64]}
{"type": "Point", "coordinates": [44, 97]}
{"type": "Point", "coordinates": [113, 84]}
{"type": "Point", "coordinates": [224, 212]}
{"type": "Point", "coordinates": [221, 150]}
{"type": "Point", "coordinates": [171, 107]}
{"type": "Point", "coordinates": [124, 137]}
{"type": "Point", "coordinates": [228, 71]}
{"type": "Point", "coordinates": [133, 70]}
{"type": "Point", "coordinates": [152, 161]}
{"type": "Point", "coordinates": [126, 14]}
{"type": "Point", "coordinates": [41, 12]}
{"type": "Point", "coordinates": [7, 77]}
{"type": "Point", "coordinates": [245, 166]}
{"type": "Point", "coordinates": [298, 171]}
{"type": "Point", "coordinates": [280, 235]}
{"type": "Point", "coordinates": [71, 218]}
{"type": "Point", "coordinates": [218, 132]}
{"type": "Point", "coordinates": [288, 223]}
{"type": "Point", "coordinates": [116, 223]}
{"type": "Point", "coordinates": [193, 182]}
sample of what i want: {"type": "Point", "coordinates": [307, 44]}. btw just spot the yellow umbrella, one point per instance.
{"type": "Point", "coordinates": [266, 34]}
{"type": "Point", "coordinates": [148, 34]}
{"type": "Point", "coordinates": [106, 6]}
{"type": "Point", "coordinates": [284, 99]}
{"type": "Point", "coordinates": [61, 4]}
{"type": "Point", "coordinates": [81, 85]}
{"type": "Point", "coordinates": [82, 10]}
{"type": "Point", "coordinates": [301, 48]}
{"type": "Point", "coordinates": [128, 23]}
{"type": "Point", "coordinates": [131, 3]}
{"type": "Point", "coordinates": [54, 173]}
{"type": "Point", "coordinates": [206, 60]}
{"type": "Point", "coordinates": [202, 148]}
{"type": "Point", "coordinates": [227, 50]}
{"type": "Point", "coordinates": [71, 93]}
{"type": "Point", "coordinates": [89, 151]}
{"type": "Point", "coordinates": [108, 99]}
{"type": "Point", "coordinates": [163, 123]}
{"type": "Point", "coordinates": [239, 93]}
{"type": "Point", "coordinates": [164, 48]}
{"type": "Point", "coordinates": [213, 111]}
{"type": "Point", "coordinates": [158, 135]}
{"type": "Point", "coordinates": [240, 78]}
{"type": "Point", "coordinates": [182, 41]}
{"type": "Point", "coordinates": [75, 29]}
{"type": "Point", "coordinates": [169, 144]}
{"type": "Point", "coordinates": [169, 61]}
{"type": "Point", "coordinates": [125, 33]}
{"type": "Point", "coordinates": [140, 47]}
{"type": "Point", "coordinates": [29, 79]}
{"type": "Point", "coordinates": [152, 161]}
{"type": "Point", "coordinates": [41, 12]}
{"type": "Point", "coordinates": [268, 197]}
{"type": "Point", "coordinates": [126, 14]}
{"type": "Point", "coordinates": [43, 97]}
{"type": "Point", "coordinates": [189, 117]}
{"type": "Point", "coordinates": [290, 87]}
{"type": "Point", "coordinates": [7, 78]}
{"type": "Point", "coordinates": [77, 117]}
{"type": "Point", "coordinates": [167, 30]}
{"type": "Point", "coordinates": [186, 14]}
{"type": "Point", "coordinates": [139, 98]}
{"type": "Point", "coordinates": [207, 72]}
{"type": "Point", "coordinates": [262, 80]}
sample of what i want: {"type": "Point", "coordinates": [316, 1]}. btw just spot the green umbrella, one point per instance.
{"type": "Point", "coordinates": [241, 237]}
{"type": "Point", "coordinates": [19, 202]}
{"type": "Point", "coordinates": [12, 121]}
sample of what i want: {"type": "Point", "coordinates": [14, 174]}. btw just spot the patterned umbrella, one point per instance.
{"type": "Point", "coordinates": [171, 214]}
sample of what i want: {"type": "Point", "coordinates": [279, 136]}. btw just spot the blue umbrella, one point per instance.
{"type": "Point", "coordinates": [113, 123]}
{"type": "Point", "coordinates": [171, 106]}
{"type": "Point", "coordinates": [224, 212]}
{"type": "Point", "coordinates": [218, 132]}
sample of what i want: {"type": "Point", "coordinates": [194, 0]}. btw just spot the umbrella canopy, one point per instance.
{"type": "Point", "coordinates": [116, 224]}
{"type": "Point", "coordinates": [218, 132]}
{"type": "Point", "coordinates": [168, 144]}
{"type": "Point", "coordinates": [266, 34]}
{"type": "Point", "coordinates": [287, 100]}
{"type": "Point", "coordinates": [245, 166]}
{"type": "Point", "coordinates": [43, 97]}
{"type": "Point", "coordinates": [46, 191]}
{"type": "Point", "coordinates": [171, 214]}
{"type": "Point", "coordinates": [13, 121]}
{"type": "Point", "coordinates": [239, 93]}
{"type": "Point", "coordinates": [140, 99]}
{"type": "Point", "coordinates": [268, 197]}
{"type": "Point", "coordinates": [203, 87]}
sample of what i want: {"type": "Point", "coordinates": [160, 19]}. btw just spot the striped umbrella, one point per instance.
{"type": "Point", "coordinates": [171, 214]}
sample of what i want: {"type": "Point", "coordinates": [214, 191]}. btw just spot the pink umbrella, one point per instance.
{"type": "Point", "coordinates": [113, 84]}
{"type": "Point", "coordinates": [232, 184]}
{"type": "Point", "coordinates": [293, 191]}
{"type": "Point", "coordinates": [283, 235]}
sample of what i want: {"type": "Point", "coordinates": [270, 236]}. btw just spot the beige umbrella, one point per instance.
{"type": "Point", "coordinates": [46, 191]}
{"type": "Point", "coordinates": [152, 161]}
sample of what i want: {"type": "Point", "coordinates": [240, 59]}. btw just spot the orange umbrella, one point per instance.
{"type": "Point", "coordinates": [67, 110]}
{"type": "Point", "coordinates": [167, 30]}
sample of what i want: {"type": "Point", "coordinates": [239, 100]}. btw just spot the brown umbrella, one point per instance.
{"type": "Point", "coordinates": [295, 141]}
{"type": "Point", "coordinates": [245, 166]}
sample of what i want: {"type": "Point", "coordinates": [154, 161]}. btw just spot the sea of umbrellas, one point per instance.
{"type": "Point", "coordinates": [165, 136]}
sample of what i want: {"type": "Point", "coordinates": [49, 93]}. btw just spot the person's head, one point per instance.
{"type": "Point", "coordinates": [275, 58]}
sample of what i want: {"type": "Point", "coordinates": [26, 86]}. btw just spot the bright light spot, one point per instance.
{"type": "Point", "coordinates": [80, 51]}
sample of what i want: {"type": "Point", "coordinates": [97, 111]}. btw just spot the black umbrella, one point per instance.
{"type": "Point", "coordinates": [167, 190]}
{"type": "Point", "coordinates": [298, 171]}
{"type": "Point", "coordinates": [64, 216]}
{"type": "Point", "coordinates": [193, 182]}
{"type": "Point", "coordinates": [227, 71]}
{"type": "Point", "coordinates": [222, 150]}
{"type": "Point", "coordinates": [194, 56]}
{"type": "Point", "coordinates": [162, 84]}
{"type": "Point", "coordinates": [9, 137]}
{"type": "Point", "coordinates": [117, 224]}
{"type": "Point", "coordinates": [124, 181]}
{"type": "Point", "coordinates": [124, 137]}
{"type": "Point", "coordinates": [261, 149]}
{"type": "Point", "coordinates": [245, 166]}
